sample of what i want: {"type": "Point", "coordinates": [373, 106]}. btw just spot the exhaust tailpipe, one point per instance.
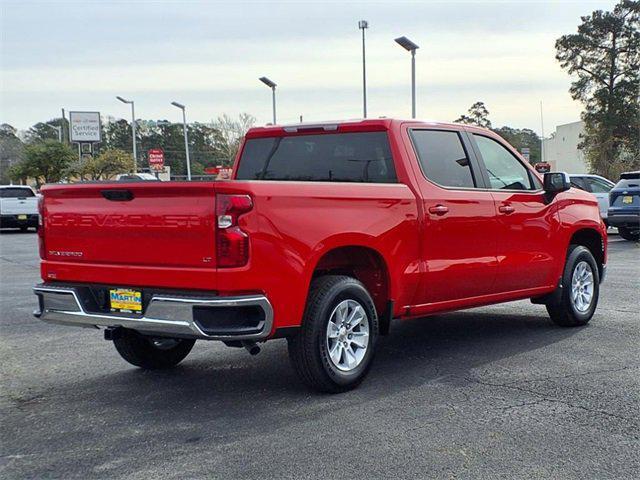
{"type": "Point", "coordinates": [251, 347]}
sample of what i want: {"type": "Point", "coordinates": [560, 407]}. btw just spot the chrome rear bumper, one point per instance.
{"type": "Point", "coordinates": [164, 315]}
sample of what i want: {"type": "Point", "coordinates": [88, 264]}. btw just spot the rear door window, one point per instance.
{"type": "Point", "coordinates": [336, 157]}
{"type": "Point", "coordinates": [442, 158]}
{"type": "Point", "coordinates": [16, 192]}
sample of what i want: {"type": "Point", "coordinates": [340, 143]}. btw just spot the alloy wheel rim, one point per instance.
{"type": "Point", "coordinates": [347, 335]}
{"type": "Point", "coordinates": [582, 287]}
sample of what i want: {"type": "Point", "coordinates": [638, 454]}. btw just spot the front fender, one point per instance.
{"type": "Point", "coordinates": [578, 211]}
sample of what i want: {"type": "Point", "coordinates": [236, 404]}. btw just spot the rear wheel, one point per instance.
{"type": "Point", "coordinates": [628, 234]}
{"type": "Point", "coordinates": [151, 352]}
{"type": "Point", "coordinates": [334, 349]}
{"type": "Point", "coordinates": [580, 290]}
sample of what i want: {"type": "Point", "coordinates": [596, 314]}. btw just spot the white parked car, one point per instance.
{"type": "Point", "coordinates": [598, 186]}
{"type": "Point", "coordinates": [135, 177]}
{"type": "Point", "coordinates": [18, 207]}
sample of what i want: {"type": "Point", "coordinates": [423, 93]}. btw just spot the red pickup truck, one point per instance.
{"type": "Point", "coordinates": [325, 234]}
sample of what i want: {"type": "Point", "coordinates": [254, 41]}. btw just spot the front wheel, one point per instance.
{"type": "Point", "coordinates": [580, 290]}
{"type": "Point", "coordinates": [334, 349]}
{"type": "Point", "coordinates": [151, 352]}
{"type": "Point", "coordinates": [627, 234]}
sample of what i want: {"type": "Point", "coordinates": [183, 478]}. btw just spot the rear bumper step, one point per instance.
{"type": "Point", "coordinates": [166, 315]}
{"type": "Point", "coordinates": [630, 220]}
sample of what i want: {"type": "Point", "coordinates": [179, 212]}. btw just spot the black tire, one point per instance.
{"type": "Point", "coordinates": [563, 312]}
{"type": "Point", "coordinates": [627, 234]}
{"type": "Point", "coordinates": [308, 350]}
{"type": "Point", "coordinates": [151, 353]}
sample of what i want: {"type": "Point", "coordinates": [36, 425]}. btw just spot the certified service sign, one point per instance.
{"type": "Point", "coordinates": [85, 126]}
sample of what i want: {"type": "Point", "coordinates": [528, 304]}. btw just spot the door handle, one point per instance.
{"type": "Point", "coordinates": [438, 209]}
{"type": "Point", "coordinates": [506, 209]}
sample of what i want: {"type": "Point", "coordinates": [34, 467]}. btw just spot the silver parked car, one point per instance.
{"type": "Point", "coordinates": [598, 186]}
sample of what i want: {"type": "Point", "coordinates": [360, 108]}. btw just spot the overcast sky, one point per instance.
{"type": "Point", "coordinates": [209, 55]}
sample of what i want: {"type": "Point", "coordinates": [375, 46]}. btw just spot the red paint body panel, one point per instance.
{"type": "Point", "coordinates": [459, 247]}
{"type": "Point", "coordinates": [165, 236]}
{"type": "Point", "coordinates": [576, 212]}
{"type": "Point", "coordinates": [527, 247]}
{"type": "Point", "coordinates": [295, 223]}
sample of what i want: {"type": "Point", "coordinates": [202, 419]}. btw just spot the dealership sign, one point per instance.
{"type": "Point", "coordinates": [156, 159]}
{"type": "Point", "coordinates": [85, 126]}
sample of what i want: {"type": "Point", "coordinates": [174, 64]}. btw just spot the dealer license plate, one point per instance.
{"type": "Point", "coordinates": [22, 217]}
{"type": "Point", "coordinates": [125, 300]}
{"type": "Point", "coordinates": [627, 199]}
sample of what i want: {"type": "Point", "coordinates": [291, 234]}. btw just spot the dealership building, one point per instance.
{"type": "Point", "coordinates": [561, 150]}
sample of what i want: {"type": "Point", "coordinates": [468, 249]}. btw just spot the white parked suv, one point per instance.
{"type": "Point", "coordinates": [598, 186]}
{"type": "Point", "coordinates": [18, 207]}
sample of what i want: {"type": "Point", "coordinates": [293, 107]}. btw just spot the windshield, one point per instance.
{"type": "Point", "coordinates": [628, 183]}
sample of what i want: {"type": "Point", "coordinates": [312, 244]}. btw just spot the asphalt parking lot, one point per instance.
{"type": "Point", "coordinates": [495, 392]}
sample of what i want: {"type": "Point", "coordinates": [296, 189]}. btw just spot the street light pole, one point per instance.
{"type": "Point", "coordinates": [186, 138]}
{"type": "Point", "coordinates": [273, 102]}
{"type": "Point", "coordinates": [272, 86]}
{"type": "Point", "coordinates": [57, 129]}
{"type": "Point", "coordinates": [408, 45]}
{"type": "Point", "coordinates": [363, 25]}
{"type": "Point", "coordinates": [133, 132]}
{"type": "Point", "coordinates": [542, 155]}
{"type": "Point", "coordinates": [413, 83]}
{"type": "Point", "coordinates": [64, 122]}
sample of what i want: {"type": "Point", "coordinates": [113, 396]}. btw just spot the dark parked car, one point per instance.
{"type": "Point", "coordinates": [624, 206]}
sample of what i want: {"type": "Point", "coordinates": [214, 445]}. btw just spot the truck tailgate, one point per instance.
{"type": "Point", "coordinates": [150, 224]}
{"type": "Point", "coordinates": [17, 206]}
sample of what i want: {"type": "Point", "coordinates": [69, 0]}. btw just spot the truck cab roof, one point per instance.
{"type": "Point", "coordinates": [350, 125]}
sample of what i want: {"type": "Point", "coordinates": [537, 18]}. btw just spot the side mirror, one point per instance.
{"type": "Point", "coordinates": [556, 182]}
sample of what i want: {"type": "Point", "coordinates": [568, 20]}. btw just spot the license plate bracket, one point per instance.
{"type": "Point", "coordinates": [125, 300]}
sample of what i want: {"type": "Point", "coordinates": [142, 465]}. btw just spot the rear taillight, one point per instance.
{"type": "Point", "coordinates": [232, 243]}
{"type": "Point", "coordinates": [41, 227]}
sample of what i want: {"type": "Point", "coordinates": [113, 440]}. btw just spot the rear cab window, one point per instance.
{"type": "Point", "coordinates": [16, 192]}
{"type": "Point", "coordinates": [363, 157]}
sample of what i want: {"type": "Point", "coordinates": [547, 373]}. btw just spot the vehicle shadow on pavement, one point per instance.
{"type": "Point", "coordinates": [230, 383]}
{"type": "Point", "coordinates": [452, 345]}
{"type": "Point", "coordinates": [220, 395]}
